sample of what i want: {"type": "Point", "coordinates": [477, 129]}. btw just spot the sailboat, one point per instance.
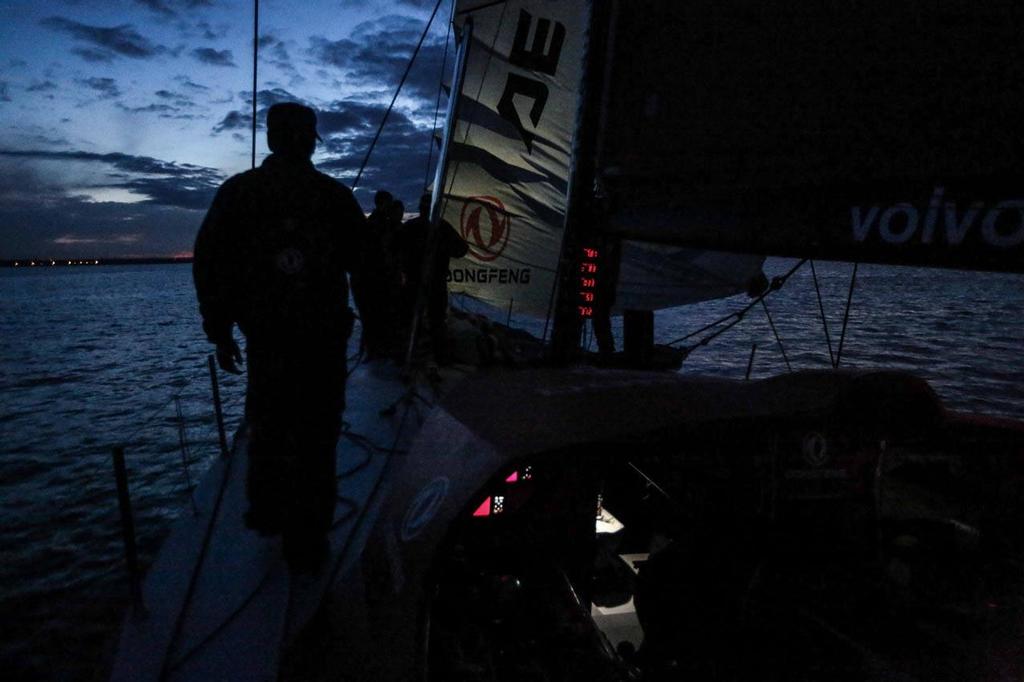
{"type": "Point", "coordinates": [563, 521]}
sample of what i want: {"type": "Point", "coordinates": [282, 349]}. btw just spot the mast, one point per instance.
{"type": "Point", "coordinates": [450, 115]}
{"type": "Point", "coordinates": [583, 213]}
{"type": "Point", "coordinates": [439, 175]}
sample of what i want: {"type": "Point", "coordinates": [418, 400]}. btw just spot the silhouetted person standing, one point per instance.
{"type": "Point", "coordinates": [414, 245]}
{"type": "Point", "coordinates": [375, 281]}
{"type": "Point", "coordinates": [271, 257]}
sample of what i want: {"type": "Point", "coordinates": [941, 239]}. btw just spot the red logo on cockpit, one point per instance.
{"type": "Point", "coordinates": [485, 227]}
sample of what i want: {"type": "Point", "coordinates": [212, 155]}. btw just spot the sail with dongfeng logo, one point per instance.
{"type": "Point", "coordinates": [510, 144]}
{"type": "Point", "coordinates": [509, 157]}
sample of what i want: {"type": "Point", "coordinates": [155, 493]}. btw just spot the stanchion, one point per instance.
{"type": "Point", "coordinates": [217, 407]}
{"type": "Point", "coordinates": [750, 362]}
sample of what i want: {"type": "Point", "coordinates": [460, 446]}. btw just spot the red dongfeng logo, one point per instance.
{"type": "Point", "coordinates": [484, 224]}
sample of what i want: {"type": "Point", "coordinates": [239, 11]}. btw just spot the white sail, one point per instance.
{"type": "Point", "coordinates": [509, 148]}
{"type": "Point", "coordinates": [656, 276]}
{"type": "Point", "coordinates": [506, 177]}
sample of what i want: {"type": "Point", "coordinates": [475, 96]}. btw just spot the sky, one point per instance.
{"type": "Point", "coordinates": [120, 118]}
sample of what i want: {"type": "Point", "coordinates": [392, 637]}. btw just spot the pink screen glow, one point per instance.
{"type": "Point", "coordinates": [484, 509]}
{"type": "Point", "coordinates": [513, 477]}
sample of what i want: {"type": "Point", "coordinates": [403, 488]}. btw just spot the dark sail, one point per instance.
{"type": "Point", "coordinates": [863, 131]}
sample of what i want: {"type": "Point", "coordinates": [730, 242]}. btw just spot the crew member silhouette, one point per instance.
{"type": "Point", "coordinates": [414, 244]}
{"type": "Point", "coordinates": [375, 282]}
{"type": "Point", "coordinates": [272, 256]}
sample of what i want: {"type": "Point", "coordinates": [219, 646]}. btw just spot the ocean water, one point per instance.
{"type": "Point", "coordinates": [93, 357]}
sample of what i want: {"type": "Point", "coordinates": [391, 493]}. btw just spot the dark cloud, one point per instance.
{"type": "Point", "coordinates": [91, 54]}
{"type": "Point", "coordinates": [41, 86]}
{"type": "Point", "coordinates": [274, 51]}
{"type": "Point", "coordinates": [398, 161]}
{"type": "Point", "coordinates": [208, 55]}
{"type": "Point", "coordinates": [378, 51]}
{"type": "Point", "coordinates": [107, 87]}
{"type": "Point", "coordinates": [210, 32]}
{"type": "Point", "coordinates": [165, 110]}
{"type": "Point", "coordinates": [76, 227]}
{"type": "Point", "coordinates": [4, 97]}
{"type": "Point", "coordinates": [189, 83]}
{"type": "Point", "coordinates": [241, 119]}
{"type": "Point", "coordinates": [164, 183]}
{"type": "Point", "coordinates": [122, 40]}
{"type": "Point", "coordinates": [41, 219]}
{"type": "Point", "coordinates": [171, 8]}
{"type": "Point", "coordinates": [234, 120]}
{"type": "Point", "coordinates": [175, 99]}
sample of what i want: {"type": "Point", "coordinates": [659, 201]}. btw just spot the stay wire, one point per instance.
{"type": "Point", "coordinates": [775, 331]}
{"type": "Point", "coordinates": [437, 105]}
{"type": "Point", "coordinates": [159, 409]}
{"type": "Point", "coordinates": [846, 315]}
{"type": "Point", "coordinates": [734, 318]}
{"type": "Point", "coordinates": [394, 98]}
{"type": "Point", "coordinates": [255, 66]}
{"type": "Point", "coordinates": [824, 321]}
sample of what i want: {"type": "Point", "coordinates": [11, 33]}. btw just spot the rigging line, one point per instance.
{"type": "Point", "coordinates": [179, 621]}
{"type": "Point", "coordinates": [775, 331]}
{"type": "Point", "coordinates": [437, 105]}
{"type": "Point", "coordinates": [186, 455]}
{"type": "Point", "coordinates": [223, 624]}
{"type": "Point", "coordinates": [824, 321]}
{"type": "Point", "coordinates": [155, 412]}
{"type": "Point", "coordinates": [408, 68]}
{"type": "Point", "coordinates": [776, 284]}
{"type": "Point", "coordinates": [255, 65]}
{"type": "Point", "coordinates": [846, 315]}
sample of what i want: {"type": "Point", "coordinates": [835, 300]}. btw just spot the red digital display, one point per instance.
{"type": "Point", "coordinates": [589, 268]}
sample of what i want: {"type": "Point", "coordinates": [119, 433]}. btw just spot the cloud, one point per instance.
{"type": "Point", "coordinates": [121, 40]}
{"type": "Point", "coordinates": [241, 119]}
{"type": "Point", "coordinates": [170, 8]}
{"type": "Point", "coordinates": [189, 83]}
{"type": "Point", "coordinates": [4, 97]}
{"type": "Point", "coordinates": [377, 52]}
{"type": "Point", "coordinates": [163, 183]}
{"type": "Point", "coordinates": [208, 55]}
{"type": "Point", "coordinates": [41, 219]}
{"type": "Point", "coordinates": [234, 120]}
{"type": "Point", "coordinates": [107, 87]}
{"type": "Point", "coordinates": [398, 162]}
{"type": "Point", "coordinates": [165, 110]}
{"type": "Point", "coordinates": [42, 86]}
{"type": "Point", "coordinates": [210, 32]}
{"type": "Point", "coordinates": [133, 238]}
{"type": "Point", "coordinates": [91, 54]}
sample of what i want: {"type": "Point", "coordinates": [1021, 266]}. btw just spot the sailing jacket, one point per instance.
{"type": "Point", "coordinates": [413, 247]}
{"type": "Point", "coordinates": [272, 254]}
